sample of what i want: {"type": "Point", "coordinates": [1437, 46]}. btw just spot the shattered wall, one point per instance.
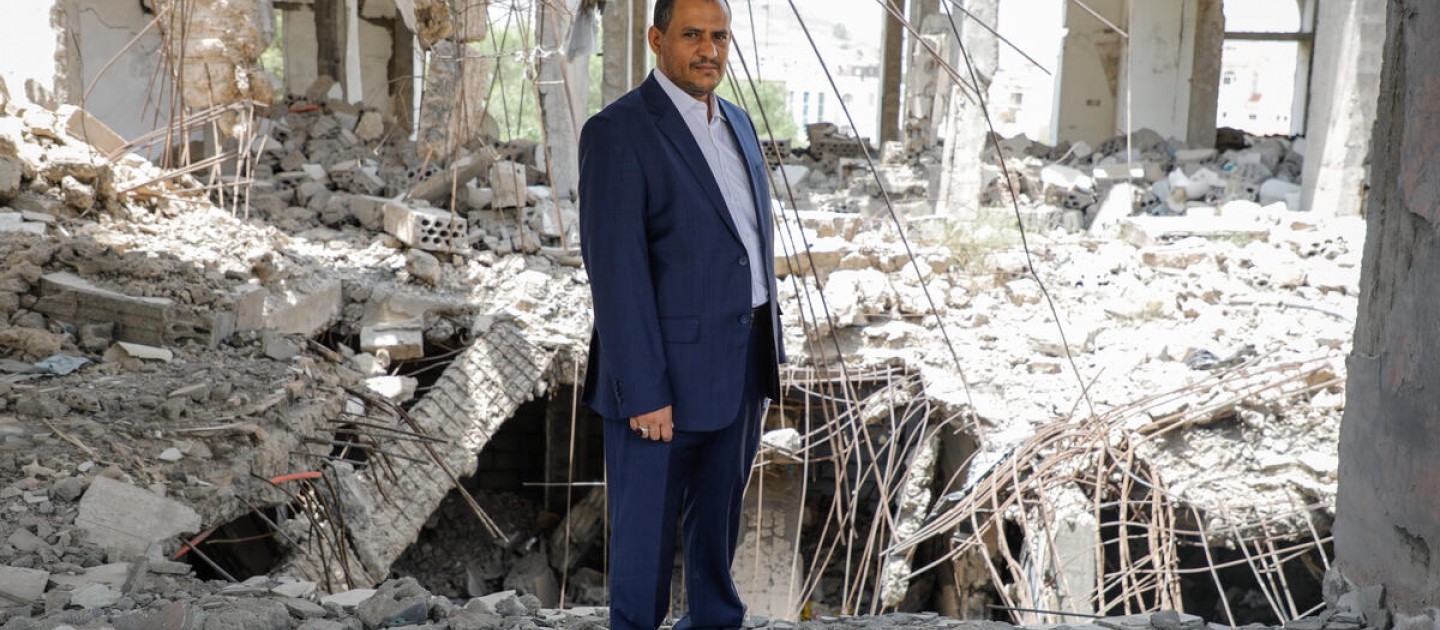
{"type": "Point", "coordinates": [1388, 523]}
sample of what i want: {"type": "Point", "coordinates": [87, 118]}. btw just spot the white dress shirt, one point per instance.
{"type": "Point", "coordinates": [722, 153]}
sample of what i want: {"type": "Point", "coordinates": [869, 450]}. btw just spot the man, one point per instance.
{"type": "Point", "coordinates": [677, 239]}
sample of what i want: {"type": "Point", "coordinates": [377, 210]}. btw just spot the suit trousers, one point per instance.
{"type": "Point", "coordinates": [700, 476]}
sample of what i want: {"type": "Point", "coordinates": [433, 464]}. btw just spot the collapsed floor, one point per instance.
{"type": "Point", "coordinates": [320, 368]}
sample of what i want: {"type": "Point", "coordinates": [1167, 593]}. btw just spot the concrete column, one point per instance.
{"type": "Point", "coordinates": [1387, 521]}
{"type": "Point", "coordinates": [960, 175]}
{"type": "Point", "coordinates": [1160, 63]}
{"type": "Point", "coordinates": [624, 47]}
{"type": "Point", "coordinates": [1348, 44]}
{"type": "Point", "coordinates": [456, 81]}
{"type": "Point", "coordinates": [330, 38]}
{"type": "Point", "coordinates": [564, 87]}
{"type": "Point", "coordinates": [768, 570]}
{"type": "Point", "coordinates": [1090, 73]}
{"type": "Point", "coordinates": [892, 46]}
{"type": "Point", "coordinates": [1205, 73]}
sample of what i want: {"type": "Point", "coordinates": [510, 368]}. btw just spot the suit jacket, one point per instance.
{"type": "Point", "coordinates": [669, 276]}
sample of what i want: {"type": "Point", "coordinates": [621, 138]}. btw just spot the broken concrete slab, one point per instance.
{"type": "Point", "coordinates": [127, 520]}
{"type": "Point", "coordinates": [70, 298]}
{"type": "Point", "coordinates": [21, 586]}
{"type": "Point", "coordinates": [303, 308]}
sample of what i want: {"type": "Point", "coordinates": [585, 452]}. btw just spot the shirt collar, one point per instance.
{"type": "Point", "coordinates": [687, 104]}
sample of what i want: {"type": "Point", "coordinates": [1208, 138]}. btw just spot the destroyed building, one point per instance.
{"type": "Point", "coordinates": [293, 320]}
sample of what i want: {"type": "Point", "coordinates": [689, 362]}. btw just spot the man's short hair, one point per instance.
{"type": "Point", "coordinates": [665, 9]}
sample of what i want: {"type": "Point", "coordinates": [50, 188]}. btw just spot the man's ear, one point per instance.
{"type": "Point", "coordinates": [654, 35]}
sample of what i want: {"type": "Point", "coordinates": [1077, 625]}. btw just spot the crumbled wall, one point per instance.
{"type": "Point", "coordinates": [1388, 523]}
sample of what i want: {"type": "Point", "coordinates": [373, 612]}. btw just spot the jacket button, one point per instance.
{"type": "Point", "coordinates": [744, 262]}
{"type": "Point", "coordinates": [745, 319]}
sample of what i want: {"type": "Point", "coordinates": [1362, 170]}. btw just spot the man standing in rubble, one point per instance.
{"type": "Point", "coordinates": [678, 242]}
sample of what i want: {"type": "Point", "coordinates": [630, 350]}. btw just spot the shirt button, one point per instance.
{"type": "Point", "coordinates": [744, 262]}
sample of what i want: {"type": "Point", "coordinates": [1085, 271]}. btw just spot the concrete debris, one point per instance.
{"type": "Point", "coordinates": [126, 520]}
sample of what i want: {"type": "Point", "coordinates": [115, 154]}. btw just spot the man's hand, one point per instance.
{"type": "Point", "coordinates": [655, 425]}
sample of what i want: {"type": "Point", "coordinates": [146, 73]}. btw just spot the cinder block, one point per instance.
{"type": "Point", "coordinates": [402, 340]}
{"type": "Point", "coordinates": [126, 520]}
{"type": "Point", "coordinates": [426, 228]}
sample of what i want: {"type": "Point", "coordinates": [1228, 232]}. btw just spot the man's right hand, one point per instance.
{"type": "Point", "coordinates": [656, 425]}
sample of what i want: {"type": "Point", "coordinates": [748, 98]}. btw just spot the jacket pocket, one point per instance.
{"type": "Point", "coordinates": [680, 329]}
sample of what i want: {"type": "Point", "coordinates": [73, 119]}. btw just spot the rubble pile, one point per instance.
{"type": "Point", "coordinates": [157, 350]}
{"type": "Point", "coordinates": [1087, 188]}
{"type": "Point", "coordinates": [324, 164]}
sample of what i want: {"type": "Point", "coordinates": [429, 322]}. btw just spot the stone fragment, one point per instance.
{"type": "Point", "coordinates": [30, 344]}
{"type": "Point", "coordinates": [10, 173]}
{"type": "Point", "coordinates": [295, 589]}
{"type": "Point", "coordinates": [172, 616]}
{"type": "Point", "coordinates": [78, 195]}
{"type": "Point", "coordinates": [94, 596]}
{"type": "Point", "coordinates": [507, 181]}
{"type": "Point", "coordinates": [303, 608]}
{"type": "Point", "coordinates": [531, 574]}
{"type": "Point", "coordinates": [171, 454]}
{"type": "Point", "coordinates": [280, 347]}
{"type": "Point", "coordinates": [20, 586]}
{"type": "Point", "coordinates": [128, 520]}
{"type": "Point", "coordinates": [371, 126]}
{"type": "Point", "coordinates": [504, 603]}
{"type": "Point", "coordinates": [303, 308]}
{"type": "Point", "coordinates": [122, 351]}
{"type": "Point", "coordinates": [1118, 204]}
{"type": "Point", "coordinates": [423, 266]}
{"type": "Point", "coordinates": [397, 389]}
{"type": "Point", "coordinates": [400, 340]}
{"type": "Point", "coordinates": [25, 540]}
{"type": "Point", "coordinates": [348, 600]}
{"type": "Point", "coordinates": [396, 603]}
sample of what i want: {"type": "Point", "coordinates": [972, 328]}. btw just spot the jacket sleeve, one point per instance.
{"type": "Point", "coordinates": [616, 250]}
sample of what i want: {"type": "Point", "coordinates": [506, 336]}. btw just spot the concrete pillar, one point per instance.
{"type": "Point", "coordinates": [1090, 73]}
{"type": "Point", "coordinates": [452, 109]}
{"type": "Point", "coordinates": [1161, 59]}
{"type": "Point", "coordinates": [892, 48]}
{"type": "Point", "coordinates": [1387, 527]}
{"type": "Point", "coordinates": [624, 26]}
{"type": "Point", "coordinates": [564, 91]}
{"type": "Point", "coordinates": [330, 38]}
{"type": "Point", "coordinates": [300, 46]}
{"type": "Point", "coordinates": [1205, 73]}
{"type": "Point", "coordinates": [1349, 41]}
{"type": "Point", "coordinates": [768, 569]}
{"type": "Point", "coordinates": [960, 175]}
{"type": "Point", "coordinates": [218, 47]}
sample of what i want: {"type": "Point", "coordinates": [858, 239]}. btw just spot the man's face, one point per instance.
{"type": "Point", "coordinates": [692, 51]}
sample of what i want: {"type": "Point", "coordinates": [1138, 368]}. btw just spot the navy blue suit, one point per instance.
{"type": "Point", "coordinates": [671, 284]}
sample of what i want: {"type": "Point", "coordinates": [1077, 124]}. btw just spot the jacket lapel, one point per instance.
{"type": "Point", "coordinates": [673, 127]}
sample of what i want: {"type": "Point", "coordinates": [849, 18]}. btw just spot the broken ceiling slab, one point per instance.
{"type": "Point", "coordinates": [127, 520]}
{"type": "Point", "coordinates": [480, 390]}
